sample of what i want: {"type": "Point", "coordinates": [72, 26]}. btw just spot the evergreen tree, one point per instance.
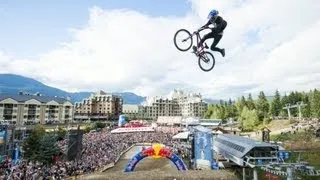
{"type": "Point", "coordinates": [315, 103]}
{"type": "Point", "coordinates": [292, 98]}
{"type": "Point", "coordinates": [250, 102]}
{"type": "Point", "coordinates": [218, 112]}
{"type": "Point", "coordinates": [32, 144]}
{"type": "Point", "coordinates": [40, 146]}
{"type": "Point", "coordinates": [262, 106]}
{"type": "Point", "coordinates": [284, 102]}
{"type": "Point", "coordinates": [228, 109]}
{"type": "Point", "coordinates": [243, 101]}
{"type": "Point", "coordinates": [232, 110]}
{"type": "Point", "coordinates": [48, 148]}
{"type": "Point", "coordinates": [306, 110]}
{"type": "Point", "coordinates": [276, 104]}
{"type": "Point", "coordinates": [209, 111]}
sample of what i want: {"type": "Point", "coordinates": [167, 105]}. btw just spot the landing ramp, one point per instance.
{"type": "Point", "coordinates": [156, 169]}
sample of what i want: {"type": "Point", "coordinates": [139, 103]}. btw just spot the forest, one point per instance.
{"type": "Point", "coordinates": [250, 113]}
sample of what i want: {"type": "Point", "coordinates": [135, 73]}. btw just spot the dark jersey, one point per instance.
{"type": "Point", "coordinates": [219, 21]}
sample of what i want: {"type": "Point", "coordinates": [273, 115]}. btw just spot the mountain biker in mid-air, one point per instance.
{"type": "Point", "coordinates": [219, 25]}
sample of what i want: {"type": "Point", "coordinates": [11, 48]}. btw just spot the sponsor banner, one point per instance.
{"type": "Point", "coordinates": [122, 120]}
{"type": "Point", "coordinates": [133, 129]}
{"type": "Point", "coordinates": [156, 151]}
{"type": "Point", "coordinates": [203, 149]}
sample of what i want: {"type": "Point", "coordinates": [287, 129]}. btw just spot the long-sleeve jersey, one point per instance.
{"type": "Point", "coordinates": [218, 22]}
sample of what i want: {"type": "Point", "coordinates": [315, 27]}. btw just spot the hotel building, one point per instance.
{"type": "Point", "coordinates": [177, 103]}
{"type": "Point", "coordinates": [98, 106]}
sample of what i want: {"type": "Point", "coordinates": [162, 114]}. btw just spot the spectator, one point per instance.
{"type": "Point", "coordinates": [99, 149]}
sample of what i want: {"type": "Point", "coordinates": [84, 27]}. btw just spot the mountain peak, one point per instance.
{"type": "Point", "coordinates": [15, 84]}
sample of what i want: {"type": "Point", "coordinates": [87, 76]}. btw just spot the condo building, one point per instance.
{"type": "Point", "coordinates": [98, 106]}
{"type": "Point", "coordinates": [24, 109]}
{"type": "Point", "coordinates": [176, 103]}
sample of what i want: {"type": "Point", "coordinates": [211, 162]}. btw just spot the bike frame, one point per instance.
{"type": "Point", "coordinates": [199, 51]}
{"type": "Point", "coordinates": [197, 33]}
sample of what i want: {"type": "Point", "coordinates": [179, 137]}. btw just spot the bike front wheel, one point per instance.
{"type": "Point", "coordinates": [183, 40]}
{"type": "Point", "coordinates": [206, 61]}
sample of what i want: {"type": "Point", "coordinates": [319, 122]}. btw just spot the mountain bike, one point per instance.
{"type": "Point", "coordinates": [203, 56]}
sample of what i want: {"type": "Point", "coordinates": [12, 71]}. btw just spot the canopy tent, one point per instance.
{"type": "Point", "coordinates": [217, 132]}
{"type": "Point", "coordinates": [182, 135]}
{"type": "Point", "coordinates": [190, 121]}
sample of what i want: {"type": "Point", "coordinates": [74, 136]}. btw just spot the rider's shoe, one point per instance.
{"type": "Point", "coordinates": [223, 52]}
{"type": "Point", "coordinates": [194, 49]}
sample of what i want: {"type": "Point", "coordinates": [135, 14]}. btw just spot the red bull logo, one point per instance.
{"type": "Point", "coordinates": [156, 151]}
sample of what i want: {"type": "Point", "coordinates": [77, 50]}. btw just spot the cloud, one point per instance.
{"type": "Point", "coordinates": [269, 44]}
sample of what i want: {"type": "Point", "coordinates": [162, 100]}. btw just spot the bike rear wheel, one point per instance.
{"type": "Point", "coordinates": [208, 58]}
{"type": "Point", "coordinates": [186, 41]}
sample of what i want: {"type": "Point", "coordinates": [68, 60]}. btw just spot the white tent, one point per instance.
{"type": "Point", "coordinates": [182, 135]}
{"type": "Point", "coordinates": [190, 120]}
{"type": "Point", "coordinates": [217, 132]}
{"type": "Point", "coordinates": [169, 120]}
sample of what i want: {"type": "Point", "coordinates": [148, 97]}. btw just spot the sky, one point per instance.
{"type": "Point", "coordinates": [112, 45]}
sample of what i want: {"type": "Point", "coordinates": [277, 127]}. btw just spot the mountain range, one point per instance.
{"type": "Point", "coordinates": [13, 84]}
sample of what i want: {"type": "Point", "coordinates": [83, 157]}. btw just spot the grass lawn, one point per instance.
{"type": "Point", "coordinates": [301, 141]}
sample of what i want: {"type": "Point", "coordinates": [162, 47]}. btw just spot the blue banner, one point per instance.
{"type": "Point", "coordinates": [203, 149]}
{"type": "Point", "coordinates": [281, 155]}
{"type": "Point", "coordinates": [122, 120]}
{"type": "Point", "coordinates": [16, 155]}
{"type": "Point", "coordinates": [286, 155]}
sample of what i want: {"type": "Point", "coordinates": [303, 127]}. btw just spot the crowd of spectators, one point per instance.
{"type": "Point", "coordinates": [99, 149]}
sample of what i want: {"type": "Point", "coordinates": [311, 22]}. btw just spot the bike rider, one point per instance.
{"type": "Point", "coordinates": [216, 32]}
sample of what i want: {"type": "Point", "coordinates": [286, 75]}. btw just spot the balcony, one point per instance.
{"type": "Point", "coordinates": [92, 116]}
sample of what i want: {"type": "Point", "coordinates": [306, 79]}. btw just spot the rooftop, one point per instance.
{"type": "Point", "coordinates": [42, 99]}
{"type": "Point", "coordinates": [247, 143]}
{"type": "Point", "coordinates": [202, 129]}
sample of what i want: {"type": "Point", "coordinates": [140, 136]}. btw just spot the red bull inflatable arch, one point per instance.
{"type": "Point", "coordinates": [156, 151]}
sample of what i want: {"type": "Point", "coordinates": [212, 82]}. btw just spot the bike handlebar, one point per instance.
{"type": "Point", "coordinates": [201, 29]}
